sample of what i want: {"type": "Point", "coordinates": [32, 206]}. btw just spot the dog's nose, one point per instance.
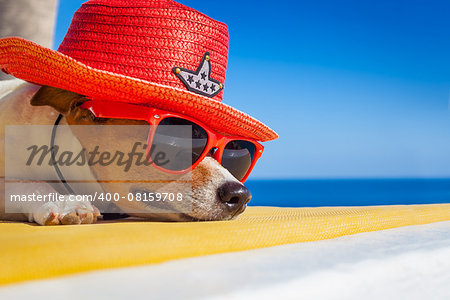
{"type": "Point", "coordinates": [234, 195]}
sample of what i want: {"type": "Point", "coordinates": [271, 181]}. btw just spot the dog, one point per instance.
{"type": "Point", "coordinates": [216, 194]}
{"type": "Point", "coordinates": [124, 65]}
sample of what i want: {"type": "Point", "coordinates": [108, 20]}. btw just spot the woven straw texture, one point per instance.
{"type": "Point", "coordinates": [120, 50]}
{"type": "Point", "coordinates": [31, 252]}
{"type": "Point", "coordinates": [146, 39]}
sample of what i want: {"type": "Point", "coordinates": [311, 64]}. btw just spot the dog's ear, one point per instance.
{"type": "Point", "coordinates": [61, 100]}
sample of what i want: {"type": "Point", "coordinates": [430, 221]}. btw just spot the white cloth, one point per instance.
{"type": "Point", "coordinates": [7, 86]}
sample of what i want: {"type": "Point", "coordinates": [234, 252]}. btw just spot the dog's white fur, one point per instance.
{"type": "Point", "coordinates": [15, 109]}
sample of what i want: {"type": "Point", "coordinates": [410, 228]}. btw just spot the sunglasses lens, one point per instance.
{"type": "Point", "coordinates": [174, 148]}
{"type": "Point", "coordinates": [238, 157]}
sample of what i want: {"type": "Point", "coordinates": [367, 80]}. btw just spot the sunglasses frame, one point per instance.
{"type": "Point", "coordinates": [153, 116]}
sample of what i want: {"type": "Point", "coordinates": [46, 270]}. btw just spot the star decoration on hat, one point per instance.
{"type": "Point", "coordinates": [200, 81]}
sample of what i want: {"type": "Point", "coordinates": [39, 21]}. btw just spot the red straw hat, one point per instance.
{"type": "Point", "coordinates": [151, 52]}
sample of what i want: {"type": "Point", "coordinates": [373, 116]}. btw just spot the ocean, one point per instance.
{"type": "Point", "coordinates": [348, 192]}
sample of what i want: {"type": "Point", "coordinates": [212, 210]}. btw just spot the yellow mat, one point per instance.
{"type": "Point", "coordinates": [30, 252]}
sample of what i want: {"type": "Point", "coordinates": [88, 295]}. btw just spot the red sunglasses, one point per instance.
{"type": "Point", "coordinates": [236, 154]}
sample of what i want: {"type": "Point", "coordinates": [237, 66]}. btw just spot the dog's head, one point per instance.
{"type": "Point", "coordinates": [215, 194]}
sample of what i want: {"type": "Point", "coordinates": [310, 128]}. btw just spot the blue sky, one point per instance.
{"type": "Point", "coordinates": [356, 89]}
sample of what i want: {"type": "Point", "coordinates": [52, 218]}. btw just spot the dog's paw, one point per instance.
{"type": "Point", "coordinates": [66, 213]}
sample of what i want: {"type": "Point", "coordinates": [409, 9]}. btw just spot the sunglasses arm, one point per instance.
{"type": "Point", "coordinates": [102, 109]}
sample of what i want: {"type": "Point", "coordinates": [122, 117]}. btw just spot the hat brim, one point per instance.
{"type": "Point", "coordinates": [33, 63]}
